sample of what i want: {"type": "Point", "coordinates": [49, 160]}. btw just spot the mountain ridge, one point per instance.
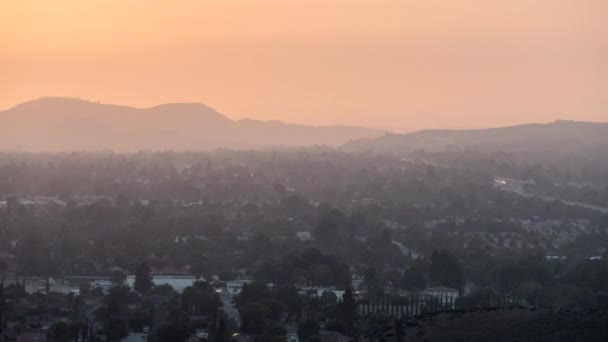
{"type": "Point", "coordinates": [60, 123]}
{"type": "Point", "coordinates": [566, 134]}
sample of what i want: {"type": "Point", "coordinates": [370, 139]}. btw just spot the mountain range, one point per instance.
{"type": "Point", "coordinates": [66, 124]}
{"type": "Point", "coordinates": [555, 136]}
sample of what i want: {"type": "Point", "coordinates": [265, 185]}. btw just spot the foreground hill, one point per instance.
{"type": "Point", "coordinates": [506, 325]}
{"type": "Point", "coordinates": [59, 124]}
{"type": "Point", "coordinates": [566, 135]}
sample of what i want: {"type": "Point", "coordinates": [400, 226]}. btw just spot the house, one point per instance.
{"type": "Point", "coordinates": [319, 290]}
{"type": "Point", "coordinates": [441, 292]}
{"type": "Point", "coordinates": [233, 287]}
{"type": "Point", "coordinates": [304, 236]}
{"type": "Point", "coordinates": [555, 258]}
{"type": "Point", "coordinates": [243, 237]}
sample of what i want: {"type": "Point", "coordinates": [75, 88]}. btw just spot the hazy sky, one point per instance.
{"type": "Point", "coordinates": [397, 64]}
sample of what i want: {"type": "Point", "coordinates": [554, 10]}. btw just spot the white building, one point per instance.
{"type": "Point", "coordinates": [304, 236]}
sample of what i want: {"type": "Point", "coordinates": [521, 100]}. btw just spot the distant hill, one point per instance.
{"type": "Point", "coordinates": [566, 135]}
{"type": "Point", "coordinates": [65, 124]}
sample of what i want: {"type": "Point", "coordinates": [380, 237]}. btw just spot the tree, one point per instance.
{"type": "Point", "coordinates": [370, 274]}
{"type": "Point", "coordinates": [3, 268]}
{"type": "Point", "coordinates": [199, 299]}
{"type": "Point", "coordinates": [171, 332]}
{"type": "Point", "coordinates": [307, 329]}
{"type": "Point", "coordinates": [253, 318]}
{"type": "Point", "coordinates": [164, 290]}
{"type": "Point", "coordinates": [329, 298]}
{"type": "Point", "coordinates": [143, 279]}
{"type": "Point", "coordinates": [138, 320]}
{"type": "Point", "coordinates": [253, 292]}
{"type": "Point", "coordinates": [114, 304]}
{"type": "Point", "coordinates": [61, 331]}
{"type": "Point", "coordinates": [531, 291]}
{"type": "Point", "coordinates": [116, 329]}
{"type": "Point", "coordinates": [197, 269]}
{"type": "Point", "coordinates": [446, 269]}
{"type": "Point", "coordinates": [118, 277]}
{"type": "Point", "coordinates": [293, 302]}
{"type": "Point", "coordinates": [275, 308]}
{"type": "Point", "coordinates": [348, 310]}
{"type": "Point", "coordinates": [413, 279]}
{"type": "Point", "coordinates": [84, 288]}
{"type": "Point", "coordinates": [332, 227]}
{"type": "Point", "coordinates": [260, 311]}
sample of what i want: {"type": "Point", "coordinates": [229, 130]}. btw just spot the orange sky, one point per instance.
{"type": "Point", "coordinates": [396, 64]}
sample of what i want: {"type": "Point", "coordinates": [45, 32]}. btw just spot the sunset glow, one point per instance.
{"type": "Point", "coordinates": [394, 64]}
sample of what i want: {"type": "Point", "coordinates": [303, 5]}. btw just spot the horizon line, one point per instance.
{"type": "Point", "coordinates": [381, 128]}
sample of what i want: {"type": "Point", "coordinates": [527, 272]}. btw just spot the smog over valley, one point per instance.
{"type": "Point", "coordinates": [303, 171]}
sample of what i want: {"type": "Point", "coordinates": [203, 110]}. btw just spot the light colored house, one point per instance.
{"type": "Point", "coordinates": [304, 236]}
{"type": "Point", "coordinates": [234, 287]}
{"type": "Point", "coordinates": [441, 292]}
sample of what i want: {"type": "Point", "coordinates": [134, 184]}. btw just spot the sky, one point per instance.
{"type": "Point", "coordinates": [400, 65]}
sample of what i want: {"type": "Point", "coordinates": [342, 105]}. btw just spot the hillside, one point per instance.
{"type": "Point", "coordinates": [64, 124]}
{"type": "Point", "coordinates": [499, 325]}
{"type": "Point", "coordinates": [565, 135]}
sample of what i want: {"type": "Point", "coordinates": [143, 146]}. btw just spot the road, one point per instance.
{"type": "Point", "coordinates": [516, 186]}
